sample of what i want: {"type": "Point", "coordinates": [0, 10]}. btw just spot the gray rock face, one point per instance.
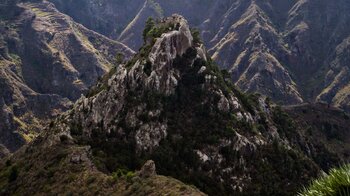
{"type": "Point", "coordinates": [162, 80]}
{"type": "Point", "coordinates": [171, 44]}
{"type": "Point", "coordinates": [166, 48]}
{"type": "Point", "coordinates": [81, 156]}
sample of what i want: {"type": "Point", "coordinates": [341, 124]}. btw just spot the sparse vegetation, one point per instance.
{"type": "Point", "coordinates": [154, 30]}
{"type": "Point", "coordinates": [196, 36]}
{"type": "Point", "coordinates": [150, 24]}
{"type": "Point", "coordinates": [123, 173]}
{"type": "Point", "coordinates": [119, 58]}
{"type": "Point", "coordinates": [102, 83]}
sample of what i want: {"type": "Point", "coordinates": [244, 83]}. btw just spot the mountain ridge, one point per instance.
{"type": "Point", "coordinates": [168, 103]}
{"type": "Point", "coordinates": [153, 108]}
{"type": "Point", "coordinates": [280, 49]}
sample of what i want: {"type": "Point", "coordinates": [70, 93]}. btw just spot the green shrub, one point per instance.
{"type": "Point", "coordinates": [153, 30]}
{"type": "Point", "coordinates": [149, 26]}
{"type": "Point", "coordinates": [336, 183]}
{"type": "Point", "coordinates": [196, 36]}
{"type": "Point", "coordinates": [123, 173]}
{"type": "Point", "coordinates": [130, 175]}
{"type": "Point", "coordinates": [119, 173]}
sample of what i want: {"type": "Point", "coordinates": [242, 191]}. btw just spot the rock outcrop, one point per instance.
{"type": "Point", "coordinates": [148, 169]}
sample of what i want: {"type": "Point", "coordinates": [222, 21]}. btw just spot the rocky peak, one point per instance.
{"type": "Point", "coordinates": [173, 43]}
{"type": "Point", "coordinates": [172, 105]}
{"type": "Point", "coordinates": [168, 95]}
{"type": "Point", "coordinates": [168, 40]}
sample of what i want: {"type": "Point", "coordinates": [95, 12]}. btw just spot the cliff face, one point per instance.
{"type": "Point", "coordinates": [46, 61]}
{"type": "Point", "coordinates": [293, 51]}
{"type": "Point", "coordinates": [170, 103]}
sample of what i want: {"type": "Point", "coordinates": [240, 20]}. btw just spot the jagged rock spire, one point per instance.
{"type": "Point", "coordinates": [173, 43]}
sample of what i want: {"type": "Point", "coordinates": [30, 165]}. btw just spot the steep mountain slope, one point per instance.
{"type": "Point", "coordinates": [172, 104]}
{"type": "Point", "coordinates": [322, 129]}
{"type": "Point", "coordinates": [108, 17]}
{"type": "Point", "coordinates": [293, 51]}
{"type": "Point", "coordinates": [46, 61]}
{"type": "Point", "coordinates": [317, 32]}
{"type": "Point", "coordinates": [131, 35]}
